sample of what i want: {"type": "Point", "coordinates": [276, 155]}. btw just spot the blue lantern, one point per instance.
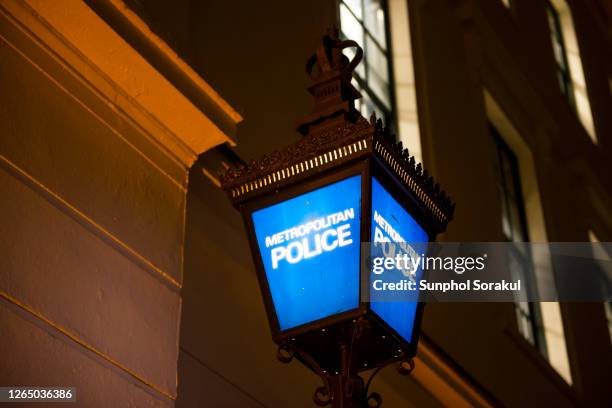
{"type": "Point", "coordinates": [317, 213]}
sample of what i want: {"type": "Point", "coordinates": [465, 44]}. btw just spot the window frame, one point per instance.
{"type": "Point", "coordinates": [389, 114]}
{"type": "Point", "coordinates": [562, 68]}
{"type": "Point", "coordinates": [531, 313]}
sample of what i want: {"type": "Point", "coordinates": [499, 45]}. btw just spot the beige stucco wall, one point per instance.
{"type": "Point", "coordinates": [93, 181]}
{"type": "Point", "coordinates": [93, 177]}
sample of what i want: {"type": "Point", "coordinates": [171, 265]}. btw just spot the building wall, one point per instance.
{"type": "Point", "coordinates": [466, 54]}
{"type": "Point", "coordinates": [92, 209]}
{"type": "Point", "coordinates": [484, 46]}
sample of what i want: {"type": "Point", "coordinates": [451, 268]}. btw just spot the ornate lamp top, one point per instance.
{"type": "Point", "coordinates": [335, 133]}
{"type": "Point", "coordinates": [331, 72]}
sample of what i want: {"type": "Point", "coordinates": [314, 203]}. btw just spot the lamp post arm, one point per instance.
{"type": "Point", "coordinates": [323, 394]}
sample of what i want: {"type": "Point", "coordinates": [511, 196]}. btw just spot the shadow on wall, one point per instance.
{"type": "Point", "coordinates": [253, 54]}
{"type": "Point", "coordinates": [227, 357]}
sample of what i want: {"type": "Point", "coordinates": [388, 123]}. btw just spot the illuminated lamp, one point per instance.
{"type": "Point", "coordinates": [309, 208]}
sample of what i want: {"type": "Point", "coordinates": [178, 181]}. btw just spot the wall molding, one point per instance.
{"type": "Point", "coordinates": [81, 218]}
{"type": "Point", "coordinates": [57, 330]}
{"type": "Point", "coordinates": [82, 41]}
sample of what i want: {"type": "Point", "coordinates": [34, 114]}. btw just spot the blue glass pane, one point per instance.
{"type": "Point", "coordinates": [391, 223]}
{"type": "Point", "coordinates": [309, 246]}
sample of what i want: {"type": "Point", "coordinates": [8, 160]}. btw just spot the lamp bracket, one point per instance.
{"type": "Point", "coordinates": [344, 388]}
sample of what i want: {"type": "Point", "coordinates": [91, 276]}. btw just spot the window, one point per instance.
{"type": "Point", "coordinates": [608, 306]}
{"type": "Point", "coordinates": [514, 226]}
{"type": "Point", "coordinates": [570, 73]}
{"type": "Point", "coordinates": [600, 253]}
{"type": "Point", "coordinates": [563, 73]}
{"type": "Point", "coordinates": [541, 322]}
{"type": "Point", "coordinates": [365, 21]}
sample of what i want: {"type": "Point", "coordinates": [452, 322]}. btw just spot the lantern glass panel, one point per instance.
{"type": "Point", "coordinates": [395, 232]}
{"type": "Point", "coordinates": [309, 247]}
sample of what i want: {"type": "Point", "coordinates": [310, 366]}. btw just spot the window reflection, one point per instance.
{"type": "Point", "coordinates": [365, 21]}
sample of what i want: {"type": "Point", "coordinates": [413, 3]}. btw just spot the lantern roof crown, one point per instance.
{"type": "Point", "coordinates": [331, 72]}
{"type": "Point", "coordinates": [334, 134]}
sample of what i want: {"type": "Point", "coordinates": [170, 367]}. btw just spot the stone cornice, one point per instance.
{"type": "Point", "coordinates": [81, 40]}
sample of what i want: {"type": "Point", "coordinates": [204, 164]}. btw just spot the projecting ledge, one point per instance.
{"type": "Point", "coordinates": [150, 84]}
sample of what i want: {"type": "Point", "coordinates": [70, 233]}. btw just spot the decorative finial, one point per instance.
{"type": "Point", "coordinates": [331, 73]}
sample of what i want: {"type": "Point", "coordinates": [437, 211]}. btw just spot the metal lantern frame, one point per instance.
{"type": "Point", "coordinates": [338, 143]}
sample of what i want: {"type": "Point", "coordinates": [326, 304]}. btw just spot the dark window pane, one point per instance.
{"type": "Point", "coordinates": [351, 26]}
{"type": "Point", "coordinates": [514, 227]}
{"type": "Point", "coordinates": [355, 7]}
{"type": "Point", "coordinates": [365, 22]}
{"type": "Point", "coordinates": [378, 72]}
{"type": "Point", "coordinates": [560, 55]}
{"type": "Point", "coordinates": [375, 21]}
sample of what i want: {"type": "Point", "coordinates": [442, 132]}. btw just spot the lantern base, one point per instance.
{"type": "Point", "coordinates": [343, 387]}
{"type": "Point", "coordinates": [371, 343]}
